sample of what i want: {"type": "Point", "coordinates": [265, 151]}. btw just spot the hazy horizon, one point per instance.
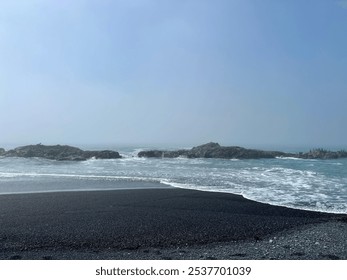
{"type": "Point", "coordinates": [258, 74]}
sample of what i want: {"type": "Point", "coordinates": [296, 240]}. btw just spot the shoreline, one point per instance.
{"type": "Point", "coordinates": [113, 223]}
{"type": "Point", "coordinates": [89, 190]}
{"type": "Point", "coordinates": [159, 185]}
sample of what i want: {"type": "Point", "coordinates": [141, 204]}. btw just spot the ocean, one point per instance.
{"type": "Point", "coordinates": [318, 185]}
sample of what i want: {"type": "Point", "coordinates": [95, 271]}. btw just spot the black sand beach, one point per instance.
{"type": "Point", "coordinates": [163, 223]}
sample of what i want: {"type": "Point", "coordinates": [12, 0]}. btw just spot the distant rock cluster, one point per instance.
{"type": "Point", "coordinates": [58, 152]}
{"type": "Point", "coordinates": [209, 150]}
{"type": "Point", "coordinates": [322, 154]}
{"type": "Point", "coordinates": [214, 150]}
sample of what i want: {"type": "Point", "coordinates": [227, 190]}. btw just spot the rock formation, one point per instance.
{"type": "Point", "coordinates": [59, 152]}
{"type": "Point", "coordinates": [209, 150]}
{"type": "Point", "coordinates": [214, 150]}
{"type": "Point", "coordinates": [322, 154]}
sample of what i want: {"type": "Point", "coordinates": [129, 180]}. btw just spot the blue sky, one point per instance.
{"type": "Point", "coordinates": [255, 73]}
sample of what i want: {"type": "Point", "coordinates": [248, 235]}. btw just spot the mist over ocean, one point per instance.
{"type": "Point", "coordinates": [319, 185]}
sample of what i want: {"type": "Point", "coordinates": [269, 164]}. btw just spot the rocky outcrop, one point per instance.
{"type": "Point", "coordinates": [106, 154]}
{"type": "Point", "coordinates": [322, 154]}
{"type": "Point", "coordinates": [59, 152]}
{"type": "Point", "coordinates": [214, 150]}
{"type": "Point", "coordinates": [163, 154]}
{"type": "Point", "coordinates": [209, 150]}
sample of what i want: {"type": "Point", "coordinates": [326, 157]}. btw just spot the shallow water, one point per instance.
{"type": "Point", "coordinates": [319, 185]}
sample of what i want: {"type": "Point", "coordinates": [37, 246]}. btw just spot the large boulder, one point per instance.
{"type": "Point", "coordinates": [106, 154]}
{"type": "Point", "coordinates": [59, 152]}
{"type": "Point", "coordinates": [206, 151]}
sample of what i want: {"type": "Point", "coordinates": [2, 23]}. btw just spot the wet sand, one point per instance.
{"type": "Point", "coordinates": [166, 223]}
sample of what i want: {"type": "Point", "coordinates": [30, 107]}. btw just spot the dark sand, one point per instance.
{"type": "Point", "coordinates": [163, 224]}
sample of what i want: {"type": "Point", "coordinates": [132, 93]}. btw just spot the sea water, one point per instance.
{"type": "Point", "coordinates": [319, 185]}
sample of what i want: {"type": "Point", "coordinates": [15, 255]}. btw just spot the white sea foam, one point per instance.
{"type": "Point", "coordinates": [78, 176]}
{"type": "Point", "coordinates": [315, 185]}
{"type": "Point", "coordinates": [291, 158]}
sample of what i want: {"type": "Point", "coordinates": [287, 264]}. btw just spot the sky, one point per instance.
{"type": "Point", "coordinates": [253, 73]}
